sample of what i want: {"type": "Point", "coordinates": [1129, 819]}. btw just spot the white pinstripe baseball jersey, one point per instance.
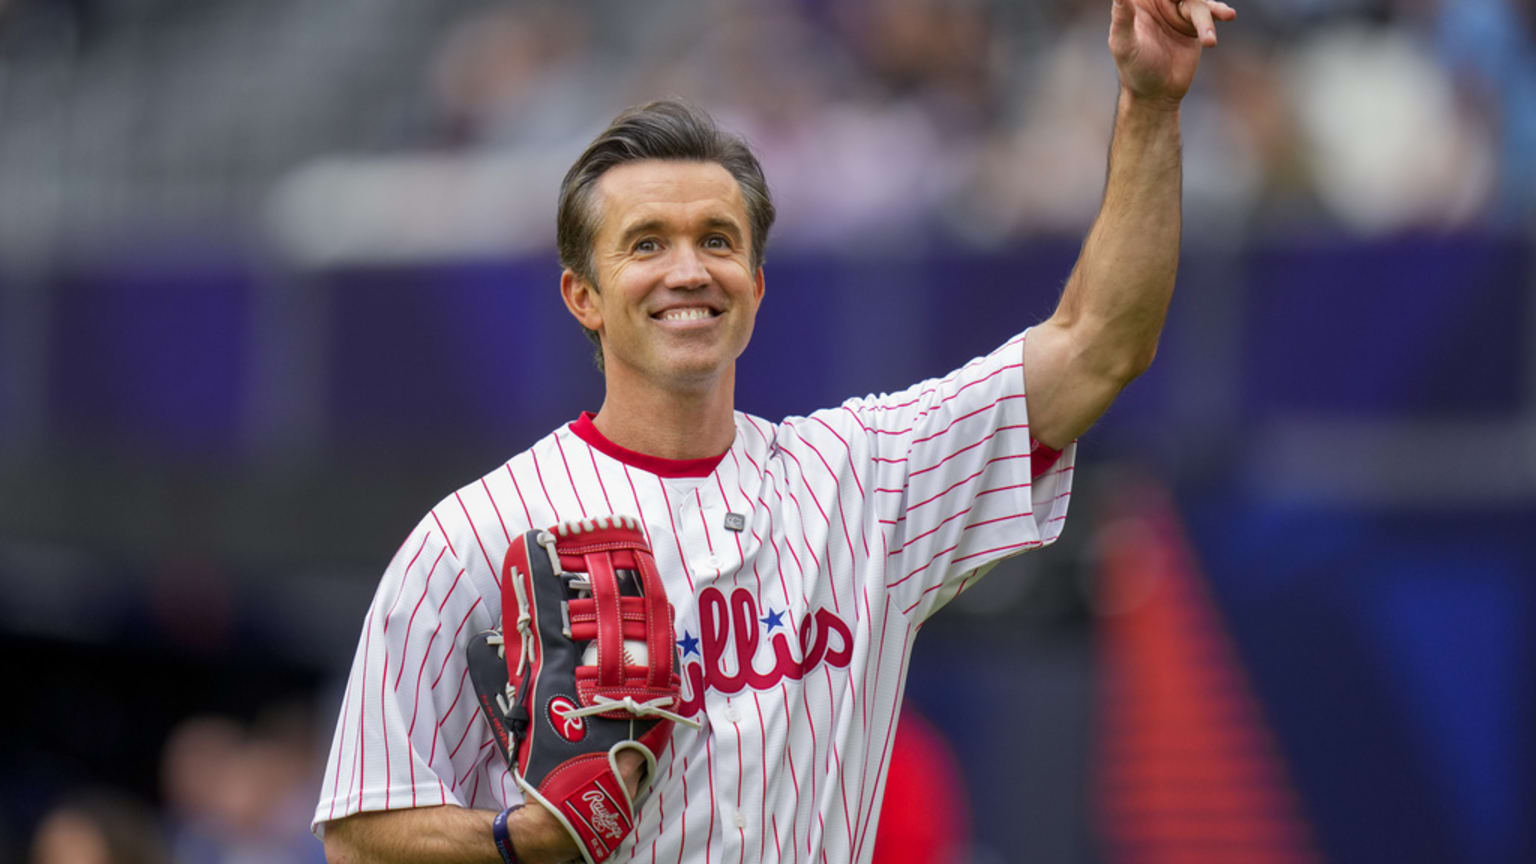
{"type": "Point", "coordinates": [856, 524]}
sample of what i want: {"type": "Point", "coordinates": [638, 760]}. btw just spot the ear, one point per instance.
{"type": "Point", "coordinates": [757, 292]}
{"type": "Point", "coordinates": [581, 299]}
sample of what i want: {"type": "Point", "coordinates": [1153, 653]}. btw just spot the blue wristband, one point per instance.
{"type": "Point", "coordinates": [503, 839]}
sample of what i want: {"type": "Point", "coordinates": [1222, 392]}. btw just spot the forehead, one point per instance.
{"type": "Point", "coordinates": [668, 190]}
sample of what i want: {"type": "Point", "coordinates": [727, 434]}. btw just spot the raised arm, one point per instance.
{"type": "Point", "coordinates": [1105, 329]}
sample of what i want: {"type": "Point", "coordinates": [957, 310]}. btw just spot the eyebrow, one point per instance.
{"type": "Point", "coordinates": [711, 223]}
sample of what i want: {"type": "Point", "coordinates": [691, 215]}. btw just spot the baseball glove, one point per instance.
{"type": "Point", "coordinates": [585, 666]}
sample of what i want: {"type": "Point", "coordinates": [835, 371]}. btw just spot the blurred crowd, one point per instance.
{"type": "Point", "coordinates": [881, 122]}
{"type": "Point", "coordinates": [229, 793]}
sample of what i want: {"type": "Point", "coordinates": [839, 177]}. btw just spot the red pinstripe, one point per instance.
{"type": "Point", "coordinates": [447, 715]}
{"type": "Point", "coordinates": [805, 484]}
{"type": "Point", "coordinates": [837, 758]}
{"type": "Point", "coordinates": [762, 801]}
{"type": "Point", "coordinates": [489, 564]}
{"type": "Point", "coordinates": [926, 411]}
{"type": "Point", "coordinates": [957, 374]}
{"type": "Point", "coordinates": [384, 724]}
{"type": "Point", "coordinates": [404, 646]}
{"type": "Point", "coordinates": [890, 728]}
{"type": "Point", "coordinates": [742, 832]}
{"type": "Point", "coordinates": [681, 847]}
{"type": "Point", "coordinates": [516, 487]}
{"type": "Point", "coordinates": [361, 753]}
{"type": "Point", "coordinates": [446, 539]}
{"type": "Point", "coordinates": [947, 519]}
{"type": "Point", "coordinates": [456, 633]}
{"type": "Point", "coordinates": [794, 776]}
{"type": "Point", "coordinates": [644, 522]}
{"type": "Point", "coordinates": [416, 704]}
{"type": "Point", "coordinates": [499, 521]}
{"type": "Point", "coordinates": [959, 483]}
{"type": "Point", "coordinates": [404, 574]}
{"type": "Point", "coordinates": [832, 582]}
{"type": "Point", "coordinates": [676, 537]}
{"type": "Point", "coordinates": [570, 478]}
{"type": "Point", "coordinates": [592, 454]}
{"type": "Point", "coordinates": [989, 437]}
{"type": "Point", "coordinates": [341, 746]}
{"type": "Point", "coordinates": [451, 588]}
{"type": "Point", "coordinates": [539, 472]}
{"type": "Point", "coordinates": [804, 539]}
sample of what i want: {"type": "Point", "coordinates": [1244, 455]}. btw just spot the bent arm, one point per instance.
{"type": "Point", "coordinates": [444, 835]}
{"type": "Point", "coordinates": [1105, 329]}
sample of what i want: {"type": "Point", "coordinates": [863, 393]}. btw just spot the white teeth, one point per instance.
{"type": "Point", "coordinates": [690, 313]}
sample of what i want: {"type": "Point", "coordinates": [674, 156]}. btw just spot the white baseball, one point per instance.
{"type": "Point", "coordinates": [635, 653]}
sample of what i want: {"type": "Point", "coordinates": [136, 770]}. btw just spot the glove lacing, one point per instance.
{"type": "Point", "coordinates": [648, 708]}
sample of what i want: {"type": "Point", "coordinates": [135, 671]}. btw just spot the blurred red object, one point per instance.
{"type": "Point", "coordinates": [1188, 769]}
{"type": "Point", "coordinates": [925, 817]}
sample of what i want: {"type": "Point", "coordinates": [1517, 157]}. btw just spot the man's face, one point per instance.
{"type": "Point", "coordinates": [676, 292]}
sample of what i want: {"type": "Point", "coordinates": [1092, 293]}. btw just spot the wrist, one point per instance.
{"type": "Point", "coordinates": [503, 837]}
{"type": "Point", "coordinates": [535, 836]}
{"type": "Point", "coordinates": [1160, 108]}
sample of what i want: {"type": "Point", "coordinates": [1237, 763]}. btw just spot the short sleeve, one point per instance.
{"type": "Point", "coordinates": [409, 734]}
{"type": "Point", "coordinates": [959, 483]}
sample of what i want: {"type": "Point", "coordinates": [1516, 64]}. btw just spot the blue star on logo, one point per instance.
{"type": "Point", "coordinates": [772, 620]}
{"type": "Point", "coordinates": [689, 644]}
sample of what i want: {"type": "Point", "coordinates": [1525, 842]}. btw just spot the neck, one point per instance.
{"type": "Point", "coordinates": [691, 424]}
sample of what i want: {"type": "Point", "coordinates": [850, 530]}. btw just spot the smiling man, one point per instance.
{"type": "Point", "coordinates": [800, 556]}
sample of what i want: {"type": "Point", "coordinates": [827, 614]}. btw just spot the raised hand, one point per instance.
{"type": "Point", "coordinates": [1157, 43]}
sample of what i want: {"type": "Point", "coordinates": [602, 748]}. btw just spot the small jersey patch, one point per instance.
{"type": "Point", "coordinates": [735, 522]}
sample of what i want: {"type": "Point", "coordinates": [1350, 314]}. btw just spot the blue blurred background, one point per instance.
{"type": "Point", "coordinates": [277, 274]}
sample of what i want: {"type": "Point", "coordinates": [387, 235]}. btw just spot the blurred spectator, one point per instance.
{"type": "Point", "coordinates": [237, 795]}
{"type": "Point", "coordinates": [1491, 46]}
{"type": "Point", "coordinates": [1387, 144]}
{"type": "Point", "coordinates": [98, 827]}
{"type": "Point", "coordinates": [523, 77]}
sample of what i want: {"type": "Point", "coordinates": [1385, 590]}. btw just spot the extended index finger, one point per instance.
{"type": "Point", "coordinates": [1202, 16]}
{"type": "Point", "coordinates": [1198, 14]}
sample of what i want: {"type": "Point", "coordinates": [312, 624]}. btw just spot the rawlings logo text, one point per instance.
{"type": "Point", "coordinates": [604, 820]}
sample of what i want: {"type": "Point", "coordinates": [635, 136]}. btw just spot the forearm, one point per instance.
{"type": "Point", "coordinates": [443, 835]}
{"type": "Point", "coordinates": [1105, 329]}
{"type": "Point", "coordinates": [1118, 294]}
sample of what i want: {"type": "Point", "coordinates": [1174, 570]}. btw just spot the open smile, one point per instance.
{"type": "Point", "coordinates": [686, 313]}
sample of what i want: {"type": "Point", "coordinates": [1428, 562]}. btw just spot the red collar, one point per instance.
{"type": "Point", "coordinates": [587, 431]}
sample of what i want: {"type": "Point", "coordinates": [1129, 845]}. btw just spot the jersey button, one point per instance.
{"type": "Point", "coordinates": [740, 819]}
{"type": "Point", "coordinates": [713, 561]}
{"type": "Point", "coordinates": [733, 715]}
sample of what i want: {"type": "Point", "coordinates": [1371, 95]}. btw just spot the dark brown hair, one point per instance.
{"type": "Point", "coordinates": [665, 129]}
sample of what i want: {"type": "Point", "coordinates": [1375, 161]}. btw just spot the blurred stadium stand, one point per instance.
{"type": "Point", "coordinates": [275, 275]}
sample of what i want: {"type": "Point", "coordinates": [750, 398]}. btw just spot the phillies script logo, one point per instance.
{"type": "Point", "coordinates": [733, 625]}
{"type": "Point", "coordinates": [572, 729]}
{"type": "Point", "coordinates": [604, 820]}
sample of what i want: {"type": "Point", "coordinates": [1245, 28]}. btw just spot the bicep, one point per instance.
{"type": "Point", "coordinates": [1068, 390]}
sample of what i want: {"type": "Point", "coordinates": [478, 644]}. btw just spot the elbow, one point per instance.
{"type": "Point", "coordinates": [1138, 363]}
{"type": "Point", "coordinates": [1127, 363]}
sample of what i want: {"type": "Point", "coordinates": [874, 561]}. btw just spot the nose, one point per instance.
{"type": "Point", "coordinates": [686, 269]}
